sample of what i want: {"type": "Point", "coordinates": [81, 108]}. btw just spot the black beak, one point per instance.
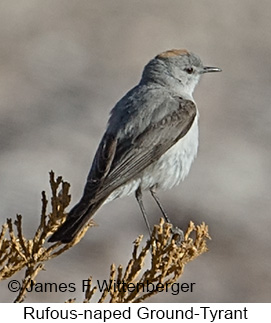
{"type": "Point", "coordinates": [207, 69]}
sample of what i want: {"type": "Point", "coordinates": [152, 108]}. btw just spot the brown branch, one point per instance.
{"type": "Point", "coordinates": [160, 261]}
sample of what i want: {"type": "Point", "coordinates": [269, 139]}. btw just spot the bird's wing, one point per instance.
{"type": "Point", "coordinates": [118, 161]}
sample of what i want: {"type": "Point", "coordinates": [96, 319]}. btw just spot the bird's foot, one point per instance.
{"type": "Point", "coordinates": [177, 235]}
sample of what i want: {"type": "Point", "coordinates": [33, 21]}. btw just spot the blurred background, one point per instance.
{"type": "Point", "coordinates": [63, 66]}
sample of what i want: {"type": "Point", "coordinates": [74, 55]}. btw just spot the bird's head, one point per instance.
{"type": "Point", "coordinates": [178, 69]}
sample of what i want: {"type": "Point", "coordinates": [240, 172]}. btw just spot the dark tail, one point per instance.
{"type": "Point", "coordinates": [79, 215]}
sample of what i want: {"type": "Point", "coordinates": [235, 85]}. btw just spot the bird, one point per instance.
{"type": "Point", "coordinates": [150, 141]}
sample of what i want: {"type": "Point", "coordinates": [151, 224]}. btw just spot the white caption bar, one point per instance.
{"type": "Point", "coordinates": [145, 312]}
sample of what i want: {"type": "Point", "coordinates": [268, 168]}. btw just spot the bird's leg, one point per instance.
{"type": "Point", "coordinates": [138, 195]}
{"type": "Point", "coordinates": [177, 233]}
{"type": "Point", "coordinates": [153, 193]}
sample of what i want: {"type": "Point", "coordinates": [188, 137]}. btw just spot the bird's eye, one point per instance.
{"type": "Point", "coordinates": [189, 70]}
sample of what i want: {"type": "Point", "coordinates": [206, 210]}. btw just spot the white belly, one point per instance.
{"type": "Point", "coordinates": [169, 170]}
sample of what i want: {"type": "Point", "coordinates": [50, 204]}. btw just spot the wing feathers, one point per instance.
{"type": "Point", "coordinates": [146, 148]}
